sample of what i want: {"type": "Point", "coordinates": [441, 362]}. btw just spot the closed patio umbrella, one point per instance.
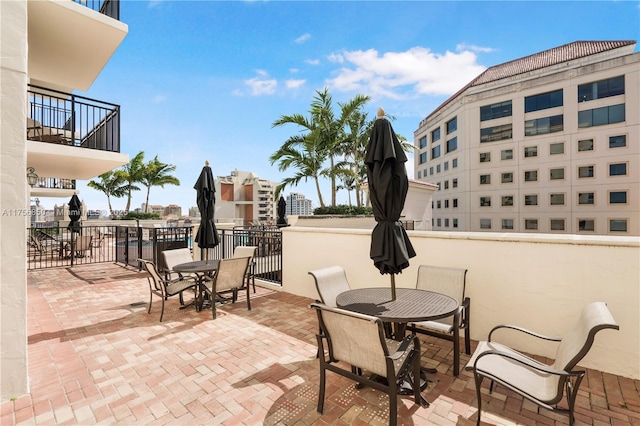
{"type": "Point", "coordinates": [282, 211]}
{"type": "Point", "coordinates": [207, 236]}
{"type": "Point", "coordinates": [388, 187]}
{"type": "Point", "coordinates": [75, 213]}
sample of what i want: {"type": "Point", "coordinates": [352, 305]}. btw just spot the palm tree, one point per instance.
{"type": "Point", "coordinates": [157, 173]}
{"type": "Point", "coordinates": [323, 133]}
{"type": "Point", "coordinates": [301, 153]}
{"type": "Point", "coordinates": [131, 173]}
{"type": "Point", "coordinates": [112, 184]}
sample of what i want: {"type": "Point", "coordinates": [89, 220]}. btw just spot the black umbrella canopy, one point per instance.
{"type": "Point", "coordinates": [388, 187]}
{"type": "Point", "coordinates": [75, 213]}
{"type": "Point", "coordinates": [207, 236]}
{"type": "Point", "coordinates": [282, 210]}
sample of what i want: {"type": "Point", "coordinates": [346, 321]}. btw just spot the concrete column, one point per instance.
{"type": "Point", "coordinates": [14, 199]}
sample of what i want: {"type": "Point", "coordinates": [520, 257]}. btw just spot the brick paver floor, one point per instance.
{"type": "Point", "coordinates": [97, 357]}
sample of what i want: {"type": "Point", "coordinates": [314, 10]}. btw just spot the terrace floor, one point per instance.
{"type": "Point", "coordinates": [97, 357]}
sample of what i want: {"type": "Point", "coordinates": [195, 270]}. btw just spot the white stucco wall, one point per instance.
{"type": "Point", "coordinates": [14, 199]}
{"type": "Point", "coordinates": [539, 281]}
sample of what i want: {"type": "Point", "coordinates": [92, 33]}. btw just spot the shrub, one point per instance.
{"type": "Point", "coordinates": [343, 210]}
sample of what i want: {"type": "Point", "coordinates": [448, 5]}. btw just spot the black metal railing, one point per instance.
{"type": "Point", "coordinates": [69, 119]}
{"type": "Point", "coordinates": [55, 183]}
{"type": "Point", "coordinates": [56, 246]}
{"type": "Point", "coordinates": [110, 8]}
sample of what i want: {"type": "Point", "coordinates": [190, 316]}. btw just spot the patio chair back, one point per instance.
{"type": "Point", "coordinates": [248, 251]}
{"type": "Point", "coordinates": [359, 341]}
{"type": "Point", "coordinates": [330, 282]}
{"type": "Point", "coordinates": [230, 277]}
{"type": "Point", "coordinates": [175, 257]}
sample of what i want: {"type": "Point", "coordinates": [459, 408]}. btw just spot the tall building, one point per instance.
{"type": "Point", "coordinates": [546, 143]}
{"type": "Point", "coordinates": [297, 204]}
{"type": "Point", "coordinates": [245, 199]}
{"type": "Point", "coordinates": [51, 136]}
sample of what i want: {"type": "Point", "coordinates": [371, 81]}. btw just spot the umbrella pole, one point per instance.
{"type": "Point", "coordinates": [393, 286]}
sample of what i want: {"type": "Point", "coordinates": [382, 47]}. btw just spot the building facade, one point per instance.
{"type": "Point", "coordinates": [49, 135]}
{"type": "Point", "coordinates": [297, 204]}
{"type": "Point", "coordinates": [548, 143]}
{"type": "Point", "coordinates": [245, 199]}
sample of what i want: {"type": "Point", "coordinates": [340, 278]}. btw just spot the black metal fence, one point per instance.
{"type": "Point", "coordinates": [109, 8]}
{"type": "Point", "coordinates": [56, 246]}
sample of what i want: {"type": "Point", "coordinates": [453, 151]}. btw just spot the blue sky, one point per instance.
{"type": "Point", "coordinates": [205, 80]}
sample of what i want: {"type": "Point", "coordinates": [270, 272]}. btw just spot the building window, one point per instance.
{"type": "Point", "coordinates": [446, 165]}
{"type": "Point", "coordinates": [617, 225]}
{"type": "Point", "coordinates": [601, 89]}
{"type": "Point", "coordinates": [601, 116]}
{"type": "Point", "coordinates": [496, 133]}
{"type": "Point", "coordinates": [455, 223]}
{"type": "Point", "coordinates": [531, 224]}
{"type": "Point", "coordinates": [424, 172]}
{"type": "Point", "coordinates": [618, 197]}
{"type": "Point", "coordinates": [556, 199]}
{"type": "Point", "coordinates": [485, 201]}
{"type": "Point", "coordinates": [419, 174]}
{"type": "Point", "coordinates": [454, 163]}
{"type": "Point", "coordinates": [556, 174]}
{"type": "Point", "coordinates": [506, 154]}
{"type": "Point", "coordinates": [438, 168]}
{"type": "Point", "coordinates": [455, 202]}
{"type": "Point", "coordinates": [543, 101]}
{"type": "Point", "coordinates": [507, 200]}
{"type": "Point", "coordinates": [431, 170]}
{"type": "Point", "coordinates": [507, 177]}
{"type": "Point", "coordinates": [585, 145]}
{"type": "Point", "coordinates": [586, 225]}
{"type": "Point", "coordinates": [530, 175]}
{"type": "Point", "coordinates": [423, 142]}
{"type": "Point", "coordinates": [452, 144]}
{"type": "Point", "coordinates": [585, 172]}
{"type": "Point", "coordinates": [490, 112]}
{"type": "Point", "coordinates": [507, 223]}
{"type": "Point", "coordinates": [485, 157]}
{"type": "Point", "coordinates": [439, 222]}
{"type": "Point", "coordinates": [618, 169]}
{"type": "Point", "coordinates": [485, 223]}
{"type": "Point", "coordinates": [485, 179]}
{"type": "Point", "coordinates": [435, 152]}
{"type": "Point", "coordinates": [446, 204]}
{"type": "Point", "coordinates": [586, 198]}
{"type": "Point", "coordinates": [556, 148]}
{"type": "Point", "coordinates": [618, 141]}
{"type": "Point", "coordinates": [531, 200]}
{"type": "Point", "coordinates": [542, 126]}
{"type": "Point", "coordinates": [452, 125]}
{"type": "Point", "coordinates": [557, 224]}
{"type": "Point", "coordinates": [530, 151]}
{"type": "Point", "coordinates": [439, 204]}
{"type": "Point", "coordinates": [446, 184]}
{"type": "Point", "coordinates": [454, 183]}
{"type": "Point", "coordinates": [435, 135]}
{"type": "Point", "coordinates": [423, 157]}
{"type": "Point", "coordinates": [446, 222]}
{"type": "Point", "coordinates": [438, 186]}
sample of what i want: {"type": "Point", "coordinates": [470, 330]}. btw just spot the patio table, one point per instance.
{"type": "Point", "coordinates": [202, 269]}
{"type": "Point", "coordinates": [410, 305]}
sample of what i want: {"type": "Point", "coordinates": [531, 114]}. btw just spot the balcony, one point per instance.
{"type": "Point", "coordinates": [53, 187]}
{"type": "Point", "coordinates": [70, 42]}
{"type": "Point", "coordinates": [70, 135]}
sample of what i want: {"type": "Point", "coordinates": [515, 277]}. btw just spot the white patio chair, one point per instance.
{"type": "Point", "coordinates": [544, 385]}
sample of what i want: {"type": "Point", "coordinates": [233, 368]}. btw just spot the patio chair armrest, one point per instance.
{"type": "Point", "coordinates": [526, 361]}
{"type": "Point", "coordinates": [522, 330]}
{"type": "Point", "coordinates": [403, 346]}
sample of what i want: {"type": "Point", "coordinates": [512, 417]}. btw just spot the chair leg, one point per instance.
{"type": "Point", "coordinates": [456, 345]}
{"type": "Point", "coordinates": [393, 401]}
{"type": "Point", "coordinates": [213, 304]}
{"type": "Point", "coordinates": [467, 340]}
{"type": "Point", "coordinates": [162, 312]}
{"type": "Point", "coordinates": [478, 380]}
{"type": "Point", "coordinates": [150, 300]}
{"type": "Point", "coordinates": [248, 298]}
{"type": "Point", "coordinates": [322, 386]}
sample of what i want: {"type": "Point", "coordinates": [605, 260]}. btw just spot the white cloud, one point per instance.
{"type": "Point", "coordinates": [312, 61]}
{"type": "Point", "coordinates": [303, 38]}
{"type": "Point", "coordinates": [398, 75]}
{"type": "Point", "coordinates": [472, 47]}
{"type": "Point", "coordinates": [294, 84]}
{"type": "Point", "coordinates": [262, 84]}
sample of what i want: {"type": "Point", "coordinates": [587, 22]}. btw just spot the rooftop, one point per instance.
{"type": "Point", "coordinates": [96, 356]}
